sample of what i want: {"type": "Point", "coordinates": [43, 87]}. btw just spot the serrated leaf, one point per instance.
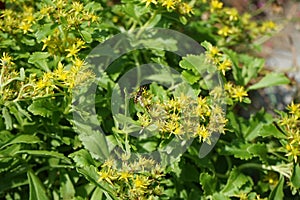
{"type": "Point", "coordinates": [235, 183]}
{"type": "Point", "coordinates": [40, 107]}
{"type": "Point", "coordinates": [295, 179]}
{"type": "Point", "coordinates": [27, 139]}
{"type": "Point", "coordinates": [277, 192]}
{"type": "Point", "coordinates": [208, 183]}
{"type": "Point", "coordinates": [272, 79]}
{"type": "Point", "coordinates": [36, 188]}
{"type": "Point", "coordinates": [270, 130]}
{"type": "Point", "coordinates": [240, 151]}
{"type": "Point", "coordinates": [195, 63]}
{"type": "Point", "coordinates": [258, 150]}
{"type": "Point", "coordinates": [190, 77]}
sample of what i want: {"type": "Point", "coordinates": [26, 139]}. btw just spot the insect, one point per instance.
{"type": "Point", "coordinates": [138, 96]}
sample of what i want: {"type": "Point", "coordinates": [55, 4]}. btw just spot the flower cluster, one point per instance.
{"type": "Point", "coordinates": [16, 86]}
{"type": "Point", "coordinates": [291, 126]}
{"type": "Point", "coordinates": [136, 180]}
{"type": "Point", "coordinates": [235, 92]}
{"type": "Point", "coordinates": [215, 56]}
{"type": "Point", "coordinates": [182, 116]}
{"type": "Point", "coordinates": [172, 5]}
{"type": "Point", "coordinates": [55, 28]}
{"type": "Point", "coordinates": [63, 77]}
{"type": "Point", "coordinates": [233, 27]}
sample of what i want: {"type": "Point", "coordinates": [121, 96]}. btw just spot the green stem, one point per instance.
{"type": "Point", "coordinates": [249, 166]}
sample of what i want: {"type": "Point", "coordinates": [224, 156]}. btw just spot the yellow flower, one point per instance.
{"type": "Point", "coordinates": [73, 50]}
{"type": "Point", "coordinates": [26, 27]}
{"type": "Point", "coordinates": [148, 2]}
{"type": "Point", "coordinates": [6, 59]}
{"type": "Point", "coordinates": [238, 93]}
{"type": "Point", "coordinates": [293, 152]}
{"type": "Point", "coordinates": [232, 14]}
{"type": "Point", "coordinates": [169, 4]}
{"type": "Point", "coordinates": [268, 25]}
{"type": "Point", "coordinates": [109, 163]}
{"type": "Point", "coordinates": [144, 119]}
{"type": "Point", "coordinates": [202, 133]}
{"type": "Point", "coordinates": [46, 10]}
{"type": "Point", "coordinates": [77, 6]}
{"type": "Point", "coordinates": [78, 62]}
{"type": "Point", "coordinates": [294, 109]}
{"type": "Point", "coordinates": [202, 109]}
{"type": "Point", "coordinates": [215, 5]}
{"type": "Point", "coordinates": [185, 9]}
{"type": "Point", "coordinates": [224, 66]}
{"type": "Point", "coordinates": [228, 86]}
{"type": "Point", "coordinates": [140, 182]}
{"type": "Point", "coordinates": [47, 42]}
{"type": "Point", "coordinates": [125, 175]}
{"type": "Point", "coordinates": [29, 19]}
{"type": "Point", "coordinates": [225, 31]}
{"type": "Point", "coordinates": [107, 175]}
{"type": "Point", "coordinates": [60, 72]}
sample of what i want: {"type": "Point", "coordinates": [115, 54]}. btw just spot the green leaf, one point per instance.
{"type": "Point", "coordinates": [239, 151]}
{"type": "Point", "coordinates": [82, 158]}
{"type": "Point", "coordinates": [7, 119]}
{"type": "Point", "coordinates": [277, 192]}
{"type": "Point", "coordinates": [36, 188]}
{"type": "Point", "coordinates": [196, 63]}
{"type": "Point", "coordinates": [134, 10]}
{"type": "Point", "coordinates": [236, 183]}
{"type": "Point", "coordinates": [13, 178]}
{"type": "Point", "coordinates": [153, 21]}
{"type": "Point", "coordinates": [97, 194]}
{"type": "Point", "coordinates": [208, 183]}
{"type": "Point", "coordinates": [90, 173]}
{"type": "Point", "coordinates": [258, 150]}
{"type": "Point", "coordinates": [244, 67]}
{"type": "Point", "coordinates": [270, 130]}
{"type": "Point", "coordinates": [218, 196]}
{"type": "Point", "coordinates": [44, 153]}
{"type": "Point", "coordinates": [251, 67]}
{"type": "Point", "coordinates": [27, 41]}
{"type": "Point", "coordinates": [189, 173]}
{"type": "Point", "coordinates": [67, 190]}
{"type": "Point", "coordinates": [190, 77]}
{"type": "Point", "coordinates": [295, 179]}
{"type": "Point", "coordinates": [93, 140]}
{"type": "Point", "coordinates": [41, 107]}
{"type": "Point", "coordinates": [39, 59]}
{"type": "Point", "coordinates": [272, 79]}
{"type": "Point", "coordinates": [28, 139]}
{"type": "Point", "coordinates": [86, 36]}
{"type": "Point", "coordinates": [44, 31]}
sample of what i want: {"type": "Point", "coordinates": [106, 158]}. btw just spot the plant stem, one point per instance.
{"type": "Point", "coordinates": [250, 165]}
